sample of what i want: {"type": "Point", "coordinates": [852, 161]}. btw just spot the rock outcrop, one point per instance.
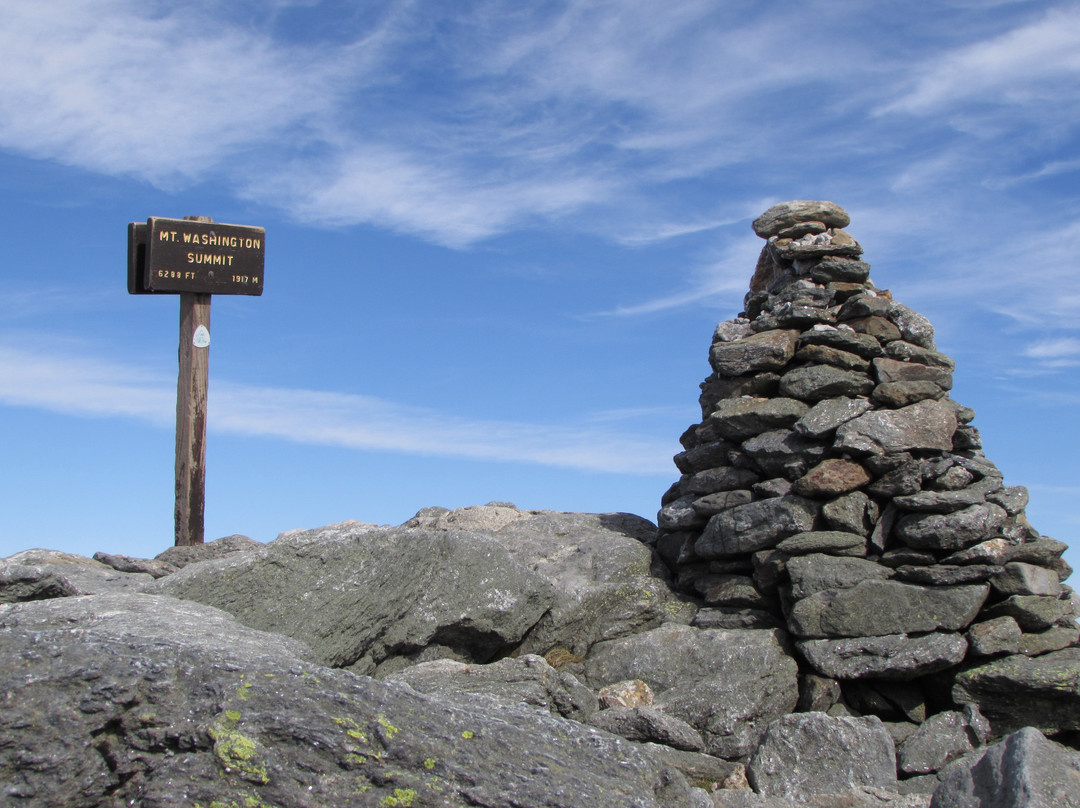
{"type": "Point", "coordinates": [843, 605]}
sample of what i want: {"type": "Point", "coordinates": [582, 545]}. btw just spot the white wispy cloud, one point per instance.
{"type": "Point", "coordinates": [121, 88]}
{"type": "Point", "coordinates": [448, 121]}
{"type": "Point", "coordinates": [1037, 62]}
{"type": "Point", "coordinates": [727, 276]}
{"type": "Point", "coordinates": [1052, 168]}
{"type": "Point", "coordinates": [1055, 354]}
{"type": "Point", "coordinates": [87, 386]}
{"type": "Point", "coordinates": [1054, 348]}
{"type": "Point", "coordinates": [460, 121]}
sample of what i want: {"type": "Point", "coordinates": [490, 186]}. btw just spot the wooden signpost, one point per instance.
{"type": "Point", "coordinates": [195, 258]}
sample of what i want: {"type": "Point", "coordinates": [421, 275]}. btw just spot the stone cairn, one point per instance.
{"type": "Point", "coordinates": [835, 490]}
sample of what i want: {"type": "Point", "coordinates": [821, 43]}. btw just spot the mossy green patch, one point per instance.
{"type": "Point", "coordinates": [401, 798]}
{"type": "Point", "coordinates": [236, 751]}
{"type": "Point", "coordinates": [249, 801]}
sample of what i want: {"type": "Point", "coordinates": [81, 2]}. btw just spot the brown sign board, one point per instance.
{"type": "Point", "coordinates": [180, 255]}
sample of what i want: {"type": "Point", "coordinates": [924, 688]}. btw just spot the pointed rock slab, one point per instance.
{"type": "Point", "coordinates": [853, 513]}
{"type": "Point", "coordinates": [726, 684]}
{"type": "Point", "coordinates": [817, 573]}
{"type": "Point", "coordinates": [842, 339]}
{"type": "Point", "coordinates": [832, 542]}
{"type": "Point", "coordinates": [680, 514]}
{"type": "Point", "coordinates": [1053, 639]}
{"type": "Point", "coordinates": [1033, 612]}
{"type": "Point", "coordinates": [940, 739]}
{"type": "Point", "coordinates": [945, 575]}
{"type": "Point", "coordinates": [824, 355]}
{"type": "Point", "coordinates": [527, 679]}
{"type": "Point", "coordinates": [949, 501]}
{"type": "Point", "coordinates": [1018, 691]}
{"type": "Point", "coordinates": [817, 382]}
{"type": "Point", "coordinates": [712, 504]}
{"type": "Point", "coordinates": [757, 526]}
{"type": "Point", "coordinates": [707, 456]}
{"type": "Point", "coordinates": [878, 327]}
{"type": "Point", "coordinates": [788, 214]}
{"type": "Point", "coordinates": [922, 426]}
{"type": "Point", "coordinates": [890, 370]}
{"type": "Point", "coordinates": [903, 394]}
{"type": "Point", "coordinates": [648, 724]}
{"type": "Point", "coordinates": [914, 327]}
{"type": "Point", "coordinates": [806, 754]}
{"type": "Point", "coordinates": [766, 351]}
{"type": "Point", "coordinates": [721, 478]}
{"type": "Point", "coordinates": [825, 416]}
{"type": "Point", "coordinates": [816, 245]}
{"type": "Point", "coordinates": [1000, 635]}
{"type": "Point", "coordinates": [741, 418]}
{"type": "Point", "coordinates": [904, 351]}
{"type": "Point", "coordinates": [877, 608]}
{"type": "Point", "coordinates": [835, 269]}
{"type": "Point", "coordinates": [950, 531]}
{"type": "Point", "coordinates": [1023, 771]}
{"type": "Point", "coordinates": [782, 453]}
{"type": "Point", "coordinates": [894, 656]}
{"type": "Point", "coordinates": [1027, 579]}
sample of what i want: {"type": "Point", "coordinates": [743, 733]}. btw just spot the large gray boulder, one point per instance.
{"type": "Point", "coordinates": [599, 567]}
{"type": "Point", "coordinates": [756, 526]}
{"type": "Point", "coordinates": [649, 724]}
{"type": "Point", "coordinates": [818, 572]}
{"type": "Point", "coordinates": [893, 656]}
{"type": "Point", "coordinates": [805, 754]}
{"type": "Point", "coordinates": [19, 582]}
{"type": "Point", "coordinates": [170, 560]}
{"type": "Point", "coordinates": [951, 531]}
{"type": "Point", "coordinates": [726, 684]}
{"type": "Point", "coordinates": [1023, 771]}
{"type": "Point", "coordinates": [526, 680]}
{"type": "Point", "coordinates": [38, 574]}
{"type": "Point", "coordinates": [925, 425]}
{"type": "Point", "coordinates": [758, 352]}
{"type": "Point", "coordinates": [875, 608]}
{"type": "Point", "coordinates": [147, 700]}
{"type": "Point", "coordinates": [1018, 691]}
{"type": "Point", "coordinates": [788, 214]}
{"type": "Point", "coordinates": [941, 738]}
{"type": "Point", "coordinates": [360, 596]}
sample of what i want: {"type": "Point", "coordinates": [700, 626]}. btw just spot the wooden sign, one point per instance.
{"type": "Point", "coordinates": [180, 255]}
{"type": "Point", "coordinates": [194, 257]}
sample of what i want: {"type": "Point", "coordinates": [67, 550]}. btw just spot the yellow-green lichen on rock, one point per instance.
{"type": "Point", "coordinates": [235, 751]}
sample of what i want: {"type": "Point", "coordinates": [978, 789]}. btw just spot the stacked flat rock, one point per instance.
{"type": "Point", "coordinates": [834, 488]}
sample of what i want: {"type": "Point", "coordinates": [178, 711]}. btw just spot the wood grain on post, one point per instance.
{"type": "Point", "coordinates": [191, 389]}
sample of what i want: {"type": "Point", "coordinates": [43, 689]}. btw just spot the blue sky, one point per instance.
{"type": "Point", "coordinates": [499, 236]}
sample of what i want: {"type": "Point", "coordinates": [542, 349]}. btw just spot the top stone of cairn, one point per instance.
{"type": "Point", "coordinates": [800, 216]}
